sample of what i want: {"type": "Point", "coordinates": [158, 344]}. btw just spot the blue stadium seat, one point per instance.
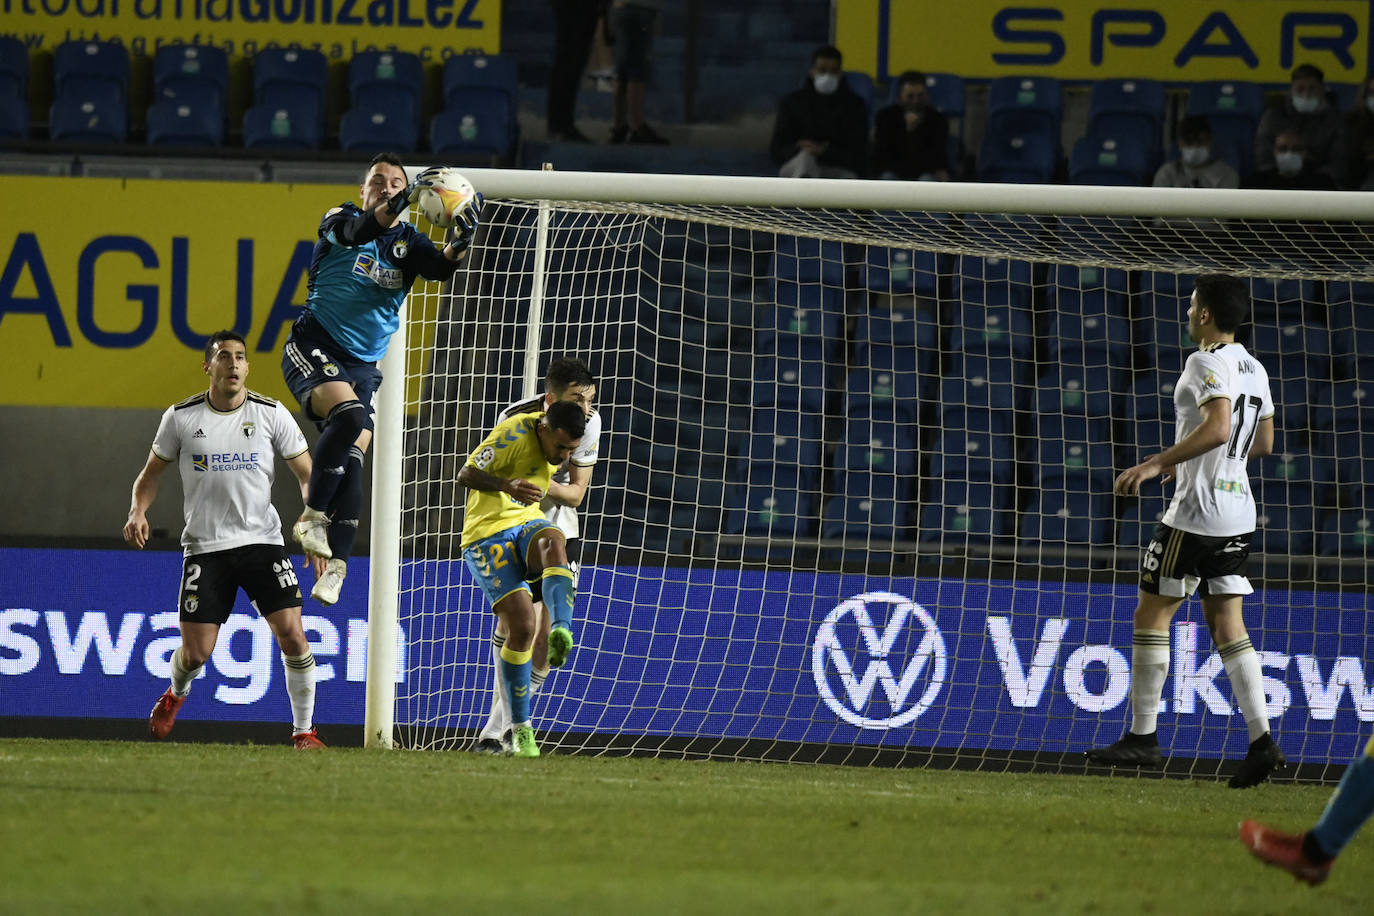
{"type": "Point", "coordinates": [903, 326]}
{"type": "Point", "coordinates": [1110, 159]}
{"type": "Point", "coordinates": [14, 68]}
{"type": "Point", "coordinates": [86, 61]}
{"type": "Point", "coordinates": [1349, 534]}
{"type": "Point", "coordinates": [1090, 311]}
{"type": "Point", "coordinates": [463, 72]}
{"type": "Point", "coordinates": [1284, 529]}
{"type": "Point", "coordinates": [985, 453]}
{"type": "Point", "coordinates": [808, 260]}
{"type": "Point", "coordinates": [783, 436]}
{"type": "Point", "coordinates": [369, 130]}
{"type": "Point", "coordinates": [871, 518]}
{"type": "Point", "coordinates": [879, 444]}
{"type": "Point", "coordinates": [1143, 97]}
{"type": "Point", "coordinates": [269, 127]}
{"type": "Point", "coordinates": [291, 78]}
{"type": "Point", "coordinates": [394, 101]}
{"type": "Point", "coordinates": [181, 123]}
{"type": "Point", "coordinates": [1039, 95]}
{"type": "Point", "coordinates": [977, 391]}
{"type": "Point", "coordinates": [993, 281]}
{"type": "Point", "coordinates": [1140, 516]}
{"type": "Point", "coordinates": [947, 93]}
{"type": "Point", "coordinates": [1343, 407]}
{"type": "Point", "coordinates": [89, 112]}
{"type": "Point", "coordinates": [1233, 111]}
{"type": "Point", "coordinates": [882, 391]}
{"type": "Point", "coordinates": [1077, 391]}
{"type": "Point", "coordinates": [1149, 413]}
{"type": "Point", "coordinates": [1070, 521]}
{"type": "Point", "coordinates": [1281, 300]}
{"type": "Point", "coordinates": [898, 272]}
{"type": "Point", "coordinates": [773, 503]}
{"type": "Point", "coordinates": [958, 513]}
{"type": "Point", "coordinates": [1015, 155]}
{"type": "Point", "coordinates": [789, 383]}
{"type": "Point", "coordinates": [802, 331]}
{"type": "Point", "coordinates": [994, 330]}
{"type": "Point", "coordinates": [182, 70]}
{"type": "Point", "coordinates": [14, 118]}
{"type": "Point", "coordinates": [1076, 465]}
{"type": "Point", "coordinates": [475, 122]}
{"type": "Point", "coordinates": [861, 84]}
{"type": "Point", "coordinates": [390, 70]}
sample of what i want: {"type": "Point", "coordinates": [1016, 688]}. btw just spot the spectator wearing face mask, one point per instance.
{"type": "Point", "coordinates": [1359, 140]}
{"type": "Point", "coordinates": [1292, 168]}
{"type": "Point", "coordinates": [1196, 165]}
{"type": "Point", "coordinates": [1307, 110]}
{"type": "Point", "coordinates": [822, 128]}
{"type": "Point", "coordinates": [911, 136]}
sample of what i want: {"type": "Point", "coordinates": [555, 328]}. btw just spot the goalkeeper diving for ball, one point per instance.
{"type": "Point", "coordinates": [507, 541]}
{"type": "Point", "coordinates": [365, 261]}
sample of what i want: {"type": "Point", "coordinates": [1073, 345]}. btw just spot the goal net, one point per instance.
{"type": "Point", "coordinates": [854, 495]}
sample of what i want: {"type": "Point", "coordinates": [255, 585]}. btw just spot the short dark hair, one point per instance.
{"type": "Point", "coordinates": [388, 158]}
{"type": "Point", "coordinates": [911, 76]}
{"type": "Point", "coordinates": [827, 52]}
{"type": "Point", "coordinates": [568, 417]}
{"type": "Point", "coordinates": [1226, 297]}
{"type": "Point", "coordinates": [1311, 70]}
{"type": "Point", "coordinates": [1194, 127]}
{"type": "Point", "coordinates": [564, 372]}
{"type": "Point", "coordinates": [220, 337]}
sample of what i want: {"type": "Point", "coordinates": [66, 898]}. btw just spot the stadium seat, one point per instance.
{"type": "Point", "coordinates": [1281, 300]}
{"type": "Point", "coordinates": [1149, 414]}
{"type": "Point", "coordinates": [861, 84]}
{"type": "Point", "coordinates": [899, 272]}
{"type": "Point", "coordinates": [809, 260]}
{"type": "Point", "coordinates": [1074, 465]}
{"type": "Point", "coordinates": [1143, 97]}
{"type": "Point", "coordinates": [388, 70]}
{"type": "Point", "coordinates": [179, 123]}
{"type": "Point", "coordinates": [1284, 529]}
{"type": "Point", "coordinates": [1017, 156]}
{"type": "Point", "coordinates": [1078, 391]}
{"type": "Point", "coordinates": [785, 436]}
{"type": "Point", "coordinates": [994, 330]}
{"type": "Point", "coordinates": [977, 391]}
{"type": "Point", "coordinates": [477, 122]}
{"type": "Point", "coordinates": [291, 78]}
{"type": "Point", "coordinates": [266, 127]}
{"type": "Point", "coordinates": [947, 93]}
{"type": "Point", "coordinates": [902, 325]}
{"type": "Point", "coordinates": [957, 514]}
{"type": "Point", "coordinates": [786, 382]}
{"type": "Point", "coordinates": [1066, 524]}
{"type": "Point", "coordinates": [368, 130]}
{"type": "Point", "coordinates": [89, 112]}
{"type": "Point", "coordinates": [181, 70]}
{"type": "Point", "coordinates": [1140, 516]}
{"type": "Point", "coordinates": [1040, 96]}
{"type": "Point", "coordinates": [1343, 407]}
{"type": "Point", "coordinates": [14, 118]}
{"type": "Point", "coordinates": [14, 68]}
{"type": "Point", "coordinates": [1110, 159]}
{"type": "Point", "coordinates": [962, 452]}
{"type": "Point", "coordinates": [1349, 534]}
{"type": "Point", "coordinates": [880, 517]}
{"type": "Point", "coordinates": [773, 504]}
{"type": "Point", "coordinates": [86, 61]}
{"type": "Point", "coordinates": [1090, 312]}
{"type": "Point", "coordinates": [1233, 111]}
{"type": "Point", "coordinates": [879, 444]}
{"type": "Point", "coordinates": [883, 391]}
{"type": "Point", "coordinates": [480, 71]}
{"type": "Point", "coordinates": [803, 330]}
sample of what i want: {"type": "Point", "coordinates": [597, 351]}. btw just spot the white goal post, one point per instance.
{"type": "Point", "coordinates": [735, 606]}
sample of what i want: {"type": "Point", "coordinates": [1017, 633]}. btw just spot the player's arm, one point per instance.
{"type": "Point", "coordinates": [571, 493]}
{"type": "Point", "coordinates": [1264, 439]}
{"type": "Point", "coordinates": [145, 491]}
{"type": "Point", "coordinates": [1213, 431]}
{"type": "Point", "coordinates": [519, 489]}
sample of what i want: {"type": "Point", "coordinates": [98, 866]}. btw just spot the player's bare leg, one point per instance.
{"type": "Point", "coordinates": [188, 661]}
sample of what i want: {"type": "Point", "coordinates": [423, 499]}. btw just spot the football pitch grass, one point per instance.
{"type": "Point", "coordinates": [133, 827]}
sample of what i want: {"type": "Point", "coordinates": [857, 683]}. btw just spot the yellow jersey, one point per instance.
{"type": "Point", "coordinates": [511, 450]}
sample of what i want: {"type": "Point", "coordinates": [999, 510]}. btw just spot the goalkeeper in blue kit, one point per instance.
{"type": "Point", "coordinates": [507, 541]}
{"type": "Point", "coordinates": [365, 261]}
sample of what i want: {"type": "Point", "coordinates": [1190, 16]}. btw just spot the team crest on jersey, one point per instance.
{"type": "Point", "coordinates": [484, 457]}
{"type": "Point", "coordinates": [1209, 379]}
{"type": "Point", "coordinates": [192, 604]}
{"type": "Point", "coordinates": [249, 428]}
{"type": "Point", "coordinates": [400, 249]}
{"type": "Point", "coordinates": [200, 462]}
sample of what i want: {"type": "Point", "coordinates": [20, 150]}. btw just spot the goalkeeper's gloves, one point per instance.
{"type": "Point", "coordinates": [402, 198]}
{"type": "Point", "coordinates": [462, 231]}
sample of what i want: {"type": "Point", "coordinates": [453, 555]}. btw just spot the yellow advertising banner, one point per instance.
{"type": "Point", "coordinates": [111, 309]}
{"type": "Point", "coordinates": [433, 29]}
{"type": "Point", "coordinates": [1169, 40]}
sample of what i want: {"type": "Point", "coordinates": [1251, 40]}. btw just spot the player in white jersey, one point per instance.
{"type": "Point", "coordinates": [567, 379]}
{"type": "Point", "coordinates": [1224, 416]}
{"type": "Point", "coordinates": [225, 442]}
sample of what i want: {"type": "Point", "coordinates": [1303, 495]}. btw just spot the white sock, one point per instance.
{"type": "Point", "coordinates": [1149, 667]}
{"type": "Point", "coordinates": [1243, 668]}
{"type": "Point", "coordinates": [498, 717]}
{"type": "Point", "coordinates": [300, 685]}
{"type": "Point", "coordinates": [181, 675]}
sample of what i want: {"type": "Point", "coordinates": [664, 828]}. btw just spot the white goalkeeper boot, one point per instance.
{"type": "Point", "coordinates": [311, 531]}
{"type": "Point", "coordinates": [326, 590]}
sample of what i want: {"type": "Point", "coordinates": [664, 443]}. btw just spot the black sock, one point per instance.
{"type": "Point", "coordinates": [1313, 852]}
{"type": "Point", "coordinates": [348, 503]}
{"type": "Point", "coordinates": [341, 429]}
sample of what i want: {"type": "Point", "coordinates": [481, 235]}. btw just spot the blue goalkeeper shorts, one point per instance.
{"type": "Point", "coordinates": [498, 563]}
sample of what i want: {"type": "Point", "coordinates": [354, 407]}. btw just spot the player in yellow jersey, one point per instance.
{"type": "Point", "coordinates": [507, 540]}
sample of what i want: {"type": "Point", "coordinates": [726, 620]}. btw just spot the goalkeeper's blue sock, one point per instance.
{"type": "Point", "coordinates": [1349, 807]}
{"type": "Point", "coordinates": [348, 504]}
{"type": "Point", "coordinates": [557, 585]}
{"type": "Point", "coordinates": [341, 430]}
{"type": "Point", "coordinates": [515, 674]}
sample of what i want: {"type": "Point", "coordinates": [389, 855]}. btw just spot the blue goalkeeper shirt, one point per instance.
{"type": "Point", "coordinates": [360, 273]}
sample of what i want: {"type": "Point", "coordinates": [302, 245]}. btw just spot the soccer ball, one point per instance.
{"type": "Point", "coordinates": [448, 200]}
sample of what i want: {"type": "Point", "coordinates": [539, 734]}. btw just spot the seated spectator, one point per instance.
{"type": "Point", "coordinates": [1292, 168]}
{"type": "Point", "coordinates": [1196, 165]}
{"type": "Point", "coordinates": [911, 137]}
{"type": "Point", "coordinates": [822, 128]}
{"type": "Point", "coordinates": [1308, 111]}
{"type": "Point", "coordinates": [1359, 140]}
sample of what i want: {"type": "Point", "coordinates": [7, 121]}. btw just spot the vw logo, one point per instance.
{"type": "Point", "coordinates": [842, 642]}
